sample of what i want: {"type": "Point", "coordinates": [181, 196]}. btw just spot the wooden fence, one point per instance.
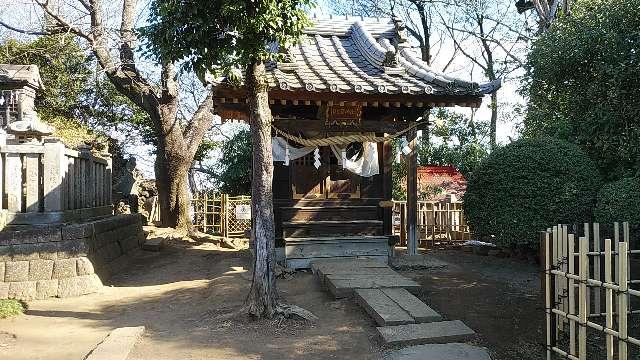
{"type": "Point", "coordinates": [48, 183]}
{"type": "Point", "coordinates": [215, 213]}
{"type": "Point", "coordinates": [439, 223]}
{"type": "Point", "coordinates": [589, 287]}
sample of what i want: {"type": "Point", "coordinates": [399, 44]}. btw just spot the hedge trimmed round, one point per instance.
{"type": "Point", "coordinates": [528, 186]}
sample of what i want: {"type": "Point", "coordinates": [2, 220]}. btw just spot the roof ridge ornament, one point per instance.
{"type": "Point", "coordinates": [391, 61]}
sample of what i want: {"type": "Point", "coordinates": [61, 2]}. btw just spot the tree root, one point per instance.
{"type": "Point", "coordinates": [294, 311]}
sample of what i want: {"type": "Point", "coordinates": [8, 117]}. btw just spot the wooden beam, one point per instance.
{"type": "Point", "coordinates": [319, 125]}
{"type": "Point", "coordinates": [387, 187]}
{"type": "Point", "coordinates": [412, 195]}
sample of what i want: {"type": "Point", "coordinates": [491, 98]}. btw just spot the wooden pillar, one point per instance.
{"type": "Point", "coordinates": [412, 195]}
{"type": "Point", "coordinates": [387, 186]}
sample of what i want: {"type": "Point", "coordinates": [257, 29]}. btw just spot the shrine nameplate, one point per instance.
{"type": "Point", "coordinates": [343, 115]}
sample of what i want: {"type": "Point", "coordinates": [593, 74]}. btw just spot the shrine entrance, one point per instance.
{"type": "Point", "coordinates": [329, 181]}
{"type": "Point", "coordinates": [338, 100]}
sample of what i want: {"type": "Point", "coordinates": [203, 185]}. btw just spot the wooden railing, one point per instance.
{"type": "Point", "coordinates": [49, 183]}
{"type": "Point", "coordinates": [437, 223]}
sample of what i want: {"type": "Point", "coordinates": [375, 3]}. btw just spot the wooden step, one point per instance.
{"type": "Point", "coordinates": [300, 252]}
{"type": "Point", "coordinates": [336, 213]}
{"type": "Point", "coordinates": [426, 333]}
{"type": "Point", "coordinates": [395, 307]}
{"type": "Point", "coordinates": [332, 228]}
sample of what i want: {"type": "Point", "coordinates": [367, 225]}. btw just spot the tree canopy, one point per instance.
{"type": "Point", "coordinates": [223, 35]}
{"type": "Point", "coordinates": [585, 78]}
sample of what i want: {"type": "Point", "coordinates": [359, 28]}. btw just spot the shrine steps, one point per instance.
{"type": "Point", "coordinates": [301, 251]}
{"type": "Point", "coordinates": [332, 228]}
{"type": "Point", "coordinates": [333, 213]}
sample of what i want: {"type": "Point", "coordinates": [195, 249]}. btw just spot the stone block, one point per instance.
{"type": "Point", "coordinates": [6, 237]}
{"type": "Point", "coordinates": [77, 231]}
{"type": "Point", "coordinates": [16, 271]}
{"type": "Point", "coordinates": [1, 271]}
{"type": "Point", "coordinates": [72, 249]}
{"type": "Point", "coordinates": [117, 345]}
{"type": "Point", "coordinates": [48, 251]}
{"type": "Point", "coordinates": [64, 268]}
{"type": "Point", "coordinates": [46, 288]}
{"type": "Point", "coordinates": [24, 252]}
{"type": "Point", "coordinates": [4, 290]}
{"type": "Point", "coordinates": [452, 351]}
{"type": "Point", "coordinates": [5, 252]}
{"type": "Point", "coordinates": [426, 333]}
{"type": "Point", "coordinates": [85, 267]}
{"type": "Point", "coordinates": [79, 285]}
{"type": "Point", "coordinates": [40, 269]}
{"type": "Point", "coordinates": [24, 290]}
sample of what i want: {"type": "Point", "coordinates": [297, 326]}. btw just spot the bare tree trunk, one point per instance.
{"type": "Point", "coordinates": [173, 195]}
{"type": "Point", "coordinates": [262, 300]}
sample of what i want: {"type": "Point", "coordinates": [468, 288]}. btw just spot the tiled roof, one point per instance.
{"type": "Point", "coordinates": [363, 55]}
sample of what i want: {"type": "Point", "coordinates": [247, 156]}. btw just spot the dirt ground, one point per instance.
{"type": "Point", "coordinates": [186, 295]}
{"type": "Point", "coordinates": [498, 298]}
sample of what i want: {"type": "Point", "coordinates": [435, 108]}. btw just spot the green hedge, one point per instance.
{"type": "Point", "coordinates": [526, 187]}
{"type": "Point", "coordinates": [619, 201]}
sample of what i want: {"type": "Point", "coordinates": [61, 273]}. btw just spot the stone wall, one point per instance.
{"type": "Point", "coordinates": [66, 260]}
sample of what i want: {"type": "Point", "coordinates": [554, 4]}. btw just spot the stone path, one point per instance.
{"type": "Point", "coordinates": [452, 351]}
{"type": "Point", "coordinates": [403, 318]}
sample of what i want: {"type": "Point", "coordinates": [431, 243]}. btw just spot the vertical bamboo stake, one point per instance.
{"type": "Point", "coordinates": [608, 294]}
{"type": "Point", "coordinates": [625, 237]}
{"type": "Point", "coordinates": [583, 265]}
{"type": "Point", "coordinates": [596, 267]}
{"type": "Point", "coordinates": [588, 241]}
{"type": "Point", "coordinates": [548, 296]}
{"type": "Point", "coordinates": [556, 262]}
{"type": "Point", "coordinates": [622, 301]}
{"type": "Point", "coordinates": [565, 265]}
{"type": "Point", "coordinates": [572, 299]}
{"type": "Point", "coordinates": [205, 211]}
{"type": "Point", "coordinates": [616, 243]}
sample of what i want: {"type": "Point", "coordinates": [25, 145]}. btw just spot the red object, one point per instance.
{"type": "Point", "coordinates": [439, 183]}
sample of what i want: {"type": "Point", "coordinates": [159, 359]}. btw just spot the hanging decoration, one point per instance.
{"type": "Point", "coordinates": [316, 156]}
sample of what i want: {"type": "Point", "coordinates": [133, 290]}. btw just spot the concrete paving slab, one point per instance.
{"type": "Point", "coordinates": [418, 310]}
{"type": "Point", "coordinates": [342, 286]}
{"type": "Point", "coordinates": [452, 351]}
{"type": "Point", "coordinates": [117, 345]}
{"type": "Point", "coordinates": [381, 308]}
{"type": "Point", "coordinates": [426, 333]}
{"type": "Point", "coordinates": [346, 272]}
{"type": "Point", "coordinates": [154, 244]}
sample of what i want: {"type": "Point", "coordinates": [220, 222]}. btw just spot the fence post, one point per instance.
{"type": "Point", "coordinates": [54, 166]}
{"type": "Point", "coordinates": [13, 182]}
{"type": "Point", "coordinates": [549, 293]}
{"type": "Point", "coordinates": [608, 293]}
{"type": "Point", "coordinates": [225, 218]}
{"type": "Point", "coordinates": [584, 266]}
{"type": "Point", "coordinates": [205, 210]}
{"type": "Point", "coordinates": [572, 297]}
{"type": "Point", "coordinates": [596, 267]}
{"type": "Point", "coordinates": [622, 300]}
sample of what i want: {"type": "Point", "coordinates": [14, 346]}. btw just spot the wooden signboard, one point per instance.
{"type": "Point", "coordinates": [343, 115]}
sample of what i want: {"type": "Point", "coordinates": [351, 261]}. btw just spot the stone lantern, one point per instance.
{"type": "Point", "coordinates": [18, 118]}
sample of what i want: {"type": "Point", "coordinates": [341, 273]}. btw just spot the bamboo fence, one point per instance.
{"type": "Point", "coordinates": [214, 213]}
{"type": "Point", "coordinates": [588, 285]}
{"type": "Point", "coordinates": [437, 223]}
